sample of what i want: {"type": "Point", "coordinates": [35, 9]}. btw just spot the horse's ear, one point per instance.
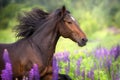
{"type": "Point", "coordinates": [62, 11]}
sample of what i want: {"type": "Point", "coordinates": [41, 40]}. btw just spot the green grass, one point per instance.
{"type": "Point", "coordinates": [7, 36]}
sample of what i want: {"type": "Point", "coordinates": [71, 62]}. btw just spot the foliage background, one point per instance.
{"type": "Point", "coordinates": [99, 19]}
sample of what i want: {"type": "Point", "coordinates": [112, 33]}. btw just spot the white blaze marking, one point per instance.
{"type": "Point", "coordinates": [73, 18]}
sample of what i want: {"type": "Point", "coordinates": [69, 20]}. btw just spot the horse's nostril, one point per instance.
{"type": "Point", "coordinates": [84, 39]}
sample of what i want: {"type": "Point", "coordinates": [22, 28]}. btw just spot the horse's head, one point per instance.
{"type": "Point", "coordinates": [69, 28]}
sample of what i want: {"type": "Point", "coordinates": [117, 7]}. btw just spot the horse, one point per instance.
{"type": "Point", "coordinates": [39, 32]}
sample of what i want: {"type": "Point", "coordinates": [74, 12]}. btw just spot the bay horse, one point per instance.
{"type": "Point", "coordinates": [39, 32]}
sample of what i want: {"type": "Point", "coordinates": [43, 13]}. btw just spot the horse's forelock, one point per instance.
{"type": "Point", "coordinates": [59, 13]}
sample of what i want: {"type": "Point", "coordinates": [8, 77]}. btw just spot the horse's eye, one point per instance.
{"type": "Point", "coordinates": [69, 22]}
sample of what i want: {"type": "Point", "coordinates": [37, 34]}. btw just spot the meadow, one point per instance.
{"type": "Point", "coordinates": [100, 64]}
{"type": "Point", "coordinates": [99, 59]}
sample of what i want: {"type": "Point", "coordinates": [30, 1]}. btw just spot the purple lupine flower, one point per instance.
{"type": "Point", "coordinates": [115, 51]}
{"type": "Point", "coordinates": [108, 64]}
{"type": "Point", "coordinates": [59, 56]}
{"type": "Point", "coordinates": [90, 74]}
{"type": "Point", "coordinates": [83, 75]}
{"type": "Point", "coordinates": [117, 77]}
{"type": "Point", "coordinates": [31, 74]}
{"type": "Point", "coordinates": [7, 72]}
{"type": "Point", "coordinates": [67, 60]}
{"type": "Point", "coordinates": [77, 71]}
{"type": "Point", "coordinates": [66, 56]}
{"type": "Point", "coordinates": [101, 53]}
{"type": "Point", "coordinates": [6, 56]}
{"type": "Point", "coordinates": [34, 73]}
{"type": "Point", "coordinates": [63, 56]}
{"type": "Point", "coordinates": [4, 75]}
{"type": "Point", "coordinates": [55, 69]}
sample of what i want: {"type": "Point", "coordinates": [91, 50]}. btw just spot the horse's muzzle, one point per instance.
{"type": "Point", "coordinates": [82, 42]}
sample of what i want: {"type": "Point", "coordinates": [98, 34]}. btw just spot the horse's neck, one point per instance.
{"type": "Point", "coordinates": [46, 40]}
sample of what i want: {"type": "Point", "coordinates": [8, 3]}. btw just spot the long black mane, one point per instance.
{"type": "Point", "coordinates": [28, 21]}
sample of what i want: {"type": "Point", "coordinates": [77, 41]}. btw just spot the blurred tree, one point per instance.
{"type": "Point", "coordinates": [7, 14]}
{"type": "Point", "coordinates": [97, 13]}
{"type": "Point", "coordinates": [114, 13]}
{"type": "Point", "coordinates": [19, 1]}
{"type": "Point", "coordinates": [3, 3]}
